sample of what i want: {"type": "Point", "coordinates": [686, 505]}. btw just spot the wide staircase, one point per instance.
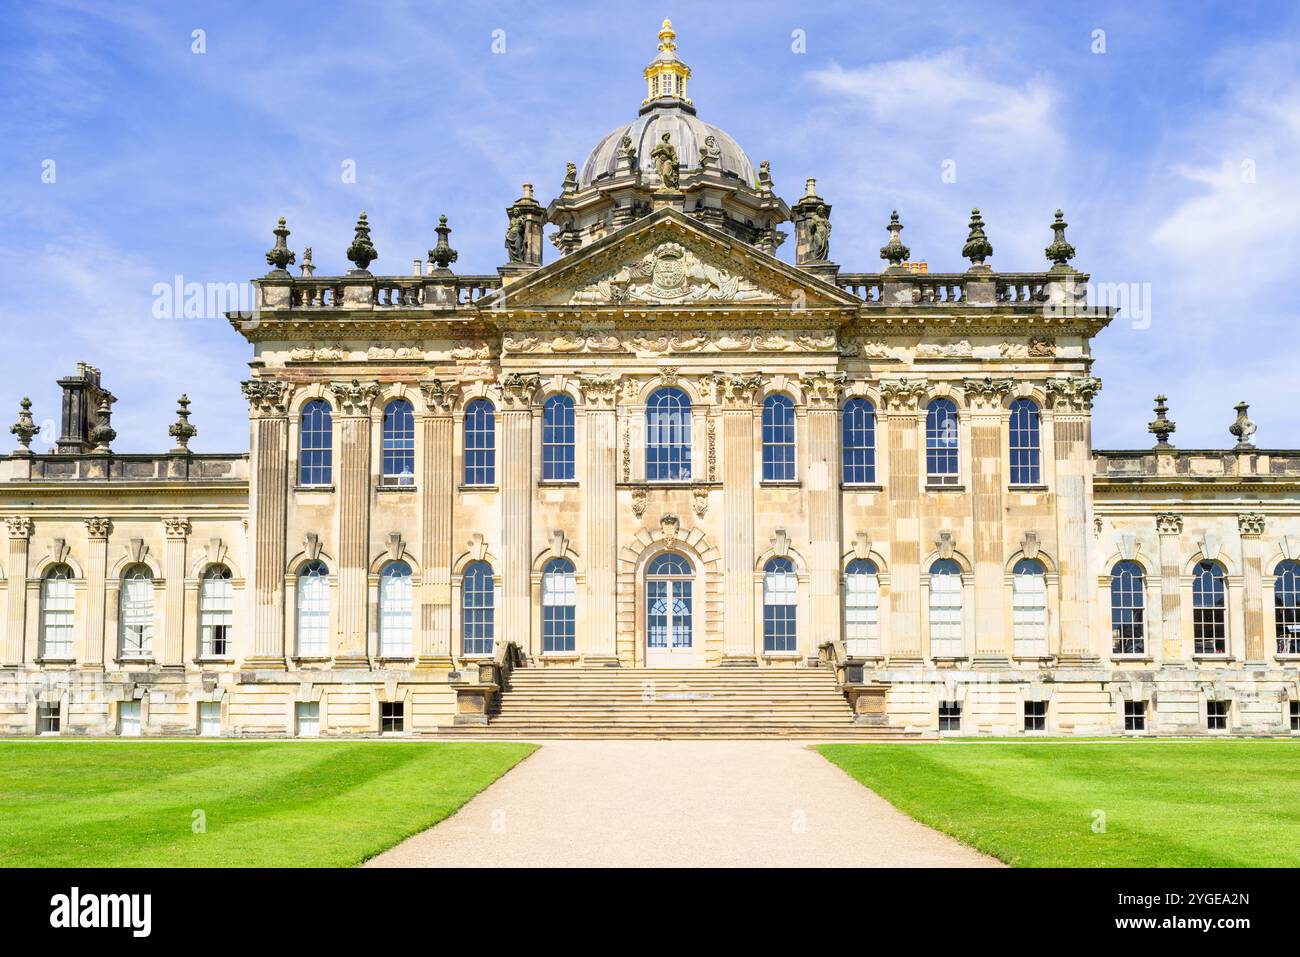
{"type": "Point", "coordinates": [677, 703]}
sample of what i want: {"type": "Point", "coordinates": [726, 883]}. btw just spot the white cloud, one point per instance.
{"type": "Point", "coordinates": [945, 89]}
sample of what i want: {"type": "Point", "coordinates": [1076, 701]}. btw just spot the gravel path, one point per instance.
{"type": "Point", "coordinates": [679, 804]}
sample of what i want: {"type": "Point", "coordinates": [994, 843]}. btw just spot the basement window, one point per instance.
{"type": "Point", "coordinates": [1035, 715]}
{"type": "Point", "coordinates": [1135, 715]}
{"type": "Point", "coordinates": [949, 715]}
{"type": "Point", "coordinates": [1295, 715]}
{"type": "Point", "coordinates": [48, 719]}
{"type": "Point", "coordinates": [1216, 715]}
{"type": "Point", "coordinates": [392, 717]}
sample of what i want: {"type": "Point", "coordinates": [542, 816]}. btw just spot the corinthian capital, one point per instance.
{"type": "Point", "coordinates": [266, 397]}
{"type": "Point", "coordinates": [1073, 393]}
{"type": "Point", "coordinates": [737, 390]}
{"type": "Point", "coordinates": [518, 389]}
{"type": "Point", "coordinates": [177, 527]}
{"type": "Point", "coordinates": [822, 389]}
{"type": "Point", "coordinates": [903, 394]}
{"type": "Point", "coordinates": [98, 528]}
{"type": "Point", "coordinates": [355, 398]}
{"type": "Point", "coordinates": [1250, 523]}
{"type": "Point", "coordinates": [987, 392]}
{"type": "Point", "coordinates": [20, 526]}
{"type": "Point", "coordinates": [599, 391]}
{"type": "Point", "coordinates": [1169, 523]}
{"type": "Point", "coordinates": [440, 395]}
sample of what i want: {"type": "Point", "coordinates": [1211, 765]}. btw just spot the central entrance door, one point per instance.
{"type": "Point", "coordinates": [669, 639]}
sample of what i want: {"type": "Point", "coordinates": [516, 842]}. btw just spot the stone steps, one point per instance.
{"type": "Point", "coordinates": [802, 703]}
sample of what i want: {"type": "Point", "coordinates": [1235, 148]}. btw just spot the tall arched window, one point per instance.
{"type": "Point", "coordinates": [1024, 441]}
{"type": "Point", "coordinates": [1029, 608]}
{"type": "Point", "coordinates": [480, 443]}
{"type": "Point", "coordinates": [395, 610]}
{"type": "Point", "coordinates": [1286, 607]}
{"type": "Point", "coordinates": [778, 438]}
{"type": "Point", "coordinates": [862, 609]}
{"type": "Point", "coordinates": [58, 608]}
{"type": "Point", "coordinates": [780, 601]}
{"type": "Point", "coordinates": [216, 612]}
{"type": "Point", "coordinates": [668, 436]}
{"type": "Point", "coordinates": [478, 610]}
{"type": "Point", "coordinates": [1128, 602]}
{"type": "Point", "coordinates": [557, 439]}
{"type": "Point", "coordinates": [399, 443]}
{"type": "Point", "coordinates": [137, 612]}
{"type": "Point", "coordinates": [859, 442]}
{"type": "Point", "coordinates": [313, 610]}
{"type": "Point", "coordinates": [942, 462]}
{"type": "Point", "coordinates": [945, 609]}
{"type": "Point", "coordinates": [1209, 609]}
{"type": "Point", "coordinates": [559, 606]}
{"type": "Point", "coordinates": [316, 444]}
{"type": "Point", "coordinates": [669, 607]}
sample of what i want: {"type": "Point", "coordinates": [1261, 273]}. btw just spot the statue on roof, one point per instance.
{"type": "Point", "coordinates": [664, 156]}
{"type": "Point", "coordinates": [516, 238]}
{"type": "Point", "coordinates": [819, 235]}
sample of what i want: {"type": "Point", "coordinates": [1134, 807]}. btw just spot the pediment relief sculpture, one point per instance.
{"type": "Point", "coordinates": [669, 274]}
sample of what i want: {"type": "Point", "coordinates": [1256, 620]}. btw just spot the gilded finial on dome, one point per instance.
{"type": "Point", "coordinates": [667, 36]}
{"type": "Point", "coordinates": [666, 75]}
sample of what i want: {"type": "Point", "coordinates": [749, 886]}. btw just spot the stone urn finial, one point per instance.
{"type": "Point", "coordinates": [442, 255]}
{"type": "Point", "coordinates": [1161, 427]}
{"type": "Point", "coordinates": [894, 250]}
{"type": "Point", "coordinates": [25, 428]}
{"type": "Point", "coordinates": [181, 430]}
{"type": "Point", "coordinates": [977, 248]}
{"type": "Point", "coordinates": [280, 255]}
{"type": "Point", "coordinates": [103, 433]}
{"type": "Point", "coordinates": [1060, 252]}
{"type": "Point", "coordinates": [1243, 429]}
{"type": "Point", "coordinates": [362, 252]}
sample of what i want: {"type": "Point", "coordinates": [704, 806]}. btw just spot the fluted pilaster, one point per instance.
{"type": "Point", "coordinates": [20, 531]}
{"type": "Point", "coordinates": [269, 496]}
{"type": "Point", "coordinates": [174, 617]}
{"type": "Point", "coordinates": [601, 505]}
{"type": "Point", "coordinates": [92, 650]}
{"type": "Point", "coordinates": [436, 508]}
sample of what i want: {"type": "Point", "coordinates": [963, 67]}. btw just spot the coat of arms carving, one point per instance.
{"type": "Point", "coordinates": [670, 273]}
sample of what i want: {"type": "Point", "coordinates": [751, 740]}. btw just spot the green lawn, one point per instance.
{"type": "Point", "coordinates": [264, 804]}
{"type": "Point", "coordinates": [1166, 804]}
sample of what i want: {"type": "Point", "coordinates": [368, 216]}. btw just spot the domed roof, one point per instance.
{"type": "Point", "coordinates": [686, 131]}
{"type": "Point", "coordinates": [667, 109]}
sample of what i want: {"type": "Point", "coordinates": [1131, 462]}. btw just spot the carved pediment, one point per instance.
{"type": "Point", "coordinates": [668, 259]}
{"type": "Point", "coordinates": [669, 274]}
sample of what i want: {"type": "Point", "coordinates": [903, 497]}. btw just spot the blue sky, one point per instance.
{"type": "Point", "coordinates": [1173, 153]}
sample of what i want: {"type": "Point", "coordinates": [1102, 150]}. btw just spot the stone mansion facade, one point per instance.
{"type": "Point", "coordinates": [667, 448]}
